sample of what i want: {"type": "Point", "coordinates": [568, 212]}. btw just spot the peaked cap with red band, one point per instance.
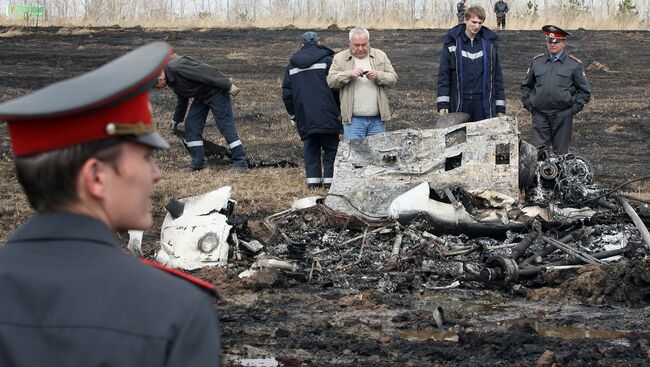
{"type": "Point", "coordinates": [111, 101]}
{"type": "Point", "coordinates": [555, 34]}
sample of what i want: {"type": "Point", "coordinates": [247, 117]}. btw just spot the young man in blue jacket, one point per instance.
{"type": "Point", "coordinates": [470, 79]}
{"type": "Point", "coordinates": [313, 107]}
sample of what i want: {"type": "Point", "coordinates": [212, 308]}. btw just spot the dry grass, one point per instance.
{"type": "Point", "coordinates": [259, 191]}
{"type": "Point", "coordinates": [14, 208]}
{"type": "Point", "coordinates": [262, 191]}
{"type": "Point", "coordinates": [12, 32]}
{"type": "Point", "coordinates": [75, 31]}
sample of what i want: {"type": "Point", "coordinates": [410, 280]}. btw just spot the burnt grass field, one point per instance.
{"type": "Point", "coordinates": [282, 317]}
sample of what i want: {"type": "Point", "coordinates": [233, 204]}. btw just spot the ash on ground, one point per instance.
{"type": "Point", "coordinates": [329, 249]}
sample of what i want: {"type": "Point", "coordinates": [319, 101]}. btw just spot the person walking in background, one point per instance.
{"type": "Point", "coordinates": [313, 107]}
{"type": "Point", "coordinates": [210, 90]}
{"type": "Point", "coordinates": [460, 11]}
{"type": "Point", "coordinates": [554, 89]}
{"type": "Point", "coordinates": [500, 9]}
{"type": "Point", "coordinates": [70, 295]}
{"type": "Point", "coordinates": [470, 79]}
{"type": "Point", "coordinates": [362, 74]}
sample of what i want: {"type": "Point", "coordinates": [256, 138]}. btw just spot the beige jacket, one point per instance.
{"type": "Point", "coordinates": [340, 76]}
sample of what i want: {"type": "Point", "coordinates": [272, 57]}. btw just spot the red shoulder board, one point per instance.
{"type": "Point", "coordinates": [201, 283]}
{"type": "Point", "coordinates": [575, 59]}
{"type": "Point", "coordinates": [538, 56]}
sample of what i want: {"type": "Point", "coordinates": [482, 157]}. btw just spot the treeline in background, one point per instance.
{"type": "Point", "coordinates": [523, 14]}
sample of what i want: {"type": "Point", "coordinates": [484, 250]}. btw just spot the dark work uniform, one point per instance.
{"type": "Point", "coordinates": [460, 12]}
{"type": "Point", "coordinates": [209, 88]}
{"type": "Point", "coordinates": [553, 91]}
{"type": "Point", "coordinates": [470, 79]}
{"type": "Point", "coordinates": [501, 8]}
{"type": "Point", "coordinates": [71, 297]}
{"type": "Point", "coordinates": [313, 105]}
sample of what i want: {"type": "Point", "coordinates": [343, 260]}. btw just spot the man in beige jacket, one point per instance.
{"type": "Point", "coordinates": [362, 74]}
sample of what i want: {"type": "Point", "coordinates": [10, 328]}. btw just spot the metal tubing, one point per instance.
{"type": "Point", "coordinates": [549, 249]}
{"type": "Point", "coordinates": [534, 270]}
{"type": "Point", "coordinates": [277, 264]}
{"type": "Point", "coordinates": [518, 251]}
{"type": "Point", "coordinates": [597, 255]}
{"type": "Point", "coordinates": [397, 245]}
{"type": "Point", "coordinates": [584, 256]}
{"type": "Point", "coordinates": [635, 218]}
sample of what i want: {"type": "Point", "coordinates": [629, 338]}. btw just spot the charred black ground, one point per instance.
{"type": "Point", "coordinates": [356, 307]}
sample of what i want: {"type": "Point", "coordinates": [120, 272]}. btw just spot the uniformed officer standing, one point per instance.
{"type": "Point", "coordinates": [70, 295]}
{"type": "Point", "coordinates": [500, 9]}
{"type": "Point", "coordinates": [554, 89]}
{"type": "Point", "coordinates": [460, 11]}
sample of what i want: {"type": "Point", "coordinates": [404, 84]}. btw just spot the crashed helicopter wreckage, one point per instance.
{"type": "Point", "coordinates": [401, 176]}
{"type": "Point", "coordinates": [195, 232]}
{"type": "Point", "coordinates": [465, 177]}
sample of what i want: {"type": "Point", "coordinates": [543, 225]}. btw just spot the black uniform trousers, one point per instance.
{"type": "Point", "coordinates": [473, 105]}
{"type": "Point", "coordinates": [320, 172]}
{"type": "Point", "coordinates": [501, 20]}
{"type": "Point", "coordinates": [553, 129]}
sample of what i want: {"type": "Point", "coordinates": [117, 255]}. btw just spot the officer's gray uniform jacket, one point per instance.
{"type": "Point", "coordinates": [501, 8]}
{"type": "Point", "coordinates": [71, 297]}
{"type": "Point", "coordinates": [555, 86]}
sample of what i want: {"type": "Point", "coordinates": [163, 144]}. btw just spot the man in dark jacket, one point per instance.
{"type": "Point", "coordinates": [70, 295]}
{"type": "Point", "coordinates": [211, 91]}
{"type": "Point", "coordinates": [554, 89]}
{"type": "Point", "coordinates": [500, 9]}
{"type": "Point", "coordinates": [460, 11]}
{"type": "Point", "coordinates": [470, 79]}
{"type": "Point", "coordinates": [313, 107]}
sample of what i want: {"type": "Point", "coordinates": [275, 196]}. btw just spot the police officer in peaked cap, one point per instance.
{"type": "Point", "coordinates": [554, 89]}
{"type": "Point", "coordinates": [70, 295]}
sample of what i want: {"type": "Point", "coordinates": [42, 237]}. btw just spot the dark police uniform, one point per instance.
{"type": "Point", "coordinates": [69, 296]}
{"type": "Point", "coordinates": [460, 11]}
{"type": "Point", "coordinates": [313, 105]}
{"type": "Point", "coordinates": [501, 8]}
{"type": "Point", "coordinates": [553, 91]}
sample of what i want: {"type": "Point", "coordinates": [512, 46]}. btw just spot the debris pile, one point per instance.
{"type": "Point", "coordinates": [465, 203]}
{"type": "Point", "coordinates": [413, 210]}
{"type": "Point", "coordinates": [334, 250]}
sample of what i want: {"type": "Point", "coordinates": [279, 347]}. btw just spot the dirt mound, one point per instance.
{"type": "Point", "coordinates": [625, 282]}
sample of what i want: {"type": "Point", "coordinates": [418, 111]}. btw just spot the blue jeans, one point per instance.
{"type": "Point", "coordinates": [221, 107]}
{"type": "Point", "coordinates": [362, 126]}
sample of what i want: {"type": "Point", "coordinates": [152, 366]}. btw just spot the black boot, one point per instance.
{"type": "Point", "coordinates": [238, 159]}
